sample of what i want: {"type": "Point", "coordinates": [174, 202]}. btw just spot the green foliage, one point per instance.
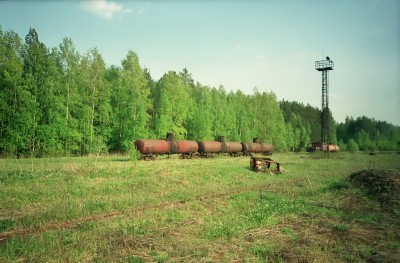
{"type": "Point", "coordinates": [72, 104]}
{"type": "Point", "coordinates": [173, 106]}
{"type": "Point", "coordinates": [268, 205]}
{"type": "Point", "coordinates": [69, 60]}
{"type": "Point", "coordinates": [340, 227]}
{"type": "Point", "coordinates": [160, 256]}
{"type": "Point", "coordinates": [139, 228]}
{"type": "Point", "coordinates": [342, 145]}
{"type": "Point", "coordinates": [257, 210]}
{"type": "Point", "coordinates": [201, 122]}
{"type": "Point", "coordinates": [338, 185]}
{"type": "Point", "coordinates": [308, 115]}
{"type": "Point", "coordinates": [130, 103]}
{"type": "Point", "coordinates": [298, 133]}
{"type": "Point", "coordinates": [224, 117]}
{"type": "Point", "coordinates": [14, 98]}
{"type": "Point", "coordinates": [134, 154]}
{"type": "Point", "coordinates": [266, 253]}
{"type": "Point", "coordinates": [363, 140]}
{"type": "Point", "coordinates": [370, 134]}
{"type": "Point", "coordinates": [352, 146]}
{"type": "Point", "coordinates": [57, 102]}
{"type": "Point", "coordinates": [6, 224]}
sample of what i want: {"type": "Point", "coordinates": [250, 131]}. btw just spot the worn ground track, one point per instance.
{"type": "Point", "coordinates": [70, 224]}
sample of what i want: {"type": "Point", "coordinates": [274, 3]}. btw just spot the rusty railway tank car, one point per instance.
{"type": "Point", "coordinates": [150, 149]}
{"type": "Point", "coordinates": [152, 146]}
{"type": "Point", "coordinates": [210, 148]}
{"type": "Point", "coordinates": [186, 148]}
{"type": "Point", "coordinates": [232, 148]}
{"type": "Point", "coordinates": [318, 146]}
{"type": "Point", "coordinates": [333, 148]}
{"type": "Point", "coordinates": [256, 147]}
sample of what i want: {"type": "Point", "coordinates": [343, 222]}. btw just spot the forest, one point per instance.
{"type": "Point", "coordinates": [57, 102]}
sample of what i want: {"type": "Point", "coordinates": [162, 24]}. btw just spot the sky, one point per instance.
{"type": "Point", "coordinates": [270, 45]}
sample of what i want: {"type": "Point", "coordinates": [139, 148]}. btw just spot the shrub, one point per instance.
{"type": "Point", "coordinates": [352, 146]}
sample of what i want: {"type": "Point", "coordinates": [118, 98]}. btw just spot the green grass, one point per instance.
{"type": "Point", "coordinates": [106, 209]}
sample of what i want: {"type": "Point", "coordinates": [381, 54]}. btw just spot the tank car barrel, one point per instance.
{"type": "Point", "coordinates": [187, 147]}
{"type": "Point", "coordinates": [169, 146]}
{"type": "Point", "coordinates": [232, 147]}
{"type": "Point", "coordinates": [210, 147]}
{"type": "Point", "coordinates": [152, 146]}
{"type": "Point", "coordinates": [257, 147]}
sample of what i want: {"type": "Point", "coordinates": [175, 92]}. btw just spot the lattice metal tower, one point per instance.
{"type": "Point", "coordinates": [324, 66]}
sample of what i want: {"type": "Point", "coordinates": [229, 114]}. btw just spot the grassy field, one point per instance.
{"type": "Point", "coordinates": [111, 209]}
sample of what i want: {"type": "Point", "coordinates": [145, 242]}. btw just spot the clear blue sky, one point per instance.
{"type": "Point", "coordinates": [271, 45]}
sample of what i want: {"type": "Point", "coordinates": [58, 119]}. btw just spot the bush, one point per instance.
{"type": "Point", "coordinates": [134, 154]}
{"type": "Point", "coordinates": [352, 146]}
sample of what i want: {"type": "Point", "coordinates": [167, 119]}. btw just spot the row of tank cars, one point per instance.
{"type": "Point", "coordinates": [318, 146]}
{"type": "Point", "coordinates": [187, 149]}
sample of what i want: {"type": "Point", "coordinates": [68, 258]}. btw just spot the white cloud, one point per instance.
{"type": "Point", "coordinates": [104, 8]}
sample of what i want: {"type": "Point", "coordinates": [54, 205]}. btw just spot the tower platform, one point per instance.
{"type": "Point", "coordinates": [324, 65]}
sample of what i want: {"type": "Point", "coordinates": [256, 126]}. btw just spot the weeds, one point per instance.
{"type": "Point", "coordinates": [6, 224]}
{"type": "Point", "coordinates": [266, 253]}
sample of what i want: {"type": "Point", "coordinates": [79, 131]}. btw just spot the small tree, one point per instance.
{"type": "Point", "coordinates": [352, 146]}
{"type": "Point", "coordinates": [342, 145]}
{"type": "Point", "coordinates": [134, 154]}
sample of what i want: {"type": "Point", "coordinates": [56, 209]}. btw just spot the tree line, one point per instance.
{"type": "Point", "coordinates": [362, 133]}
{"type": "Point", "coordinates": [366, 134]}
{"type": "Point", "coordinates": [57, 102]}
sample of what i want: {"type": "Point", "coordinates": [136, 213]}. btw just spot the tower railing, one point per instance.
{"type": "Point", "coordinates": [324, 65]}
